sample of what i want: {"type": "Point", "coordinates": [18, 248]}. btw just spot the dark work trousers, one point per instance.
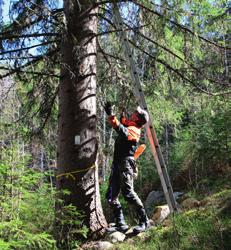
{"type": "Point", "coordinates": [121, 180]}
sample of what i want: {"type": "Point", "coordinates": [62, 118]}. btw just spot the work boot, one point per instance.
{"type": "Point", "coordinates": [118, 227]}
{"type": "Point", "coordinates": [121, 228]}
{"type": "Point", "coordinates": [144, 223]}
{"type": "Point", "coordinates": [120, 224]}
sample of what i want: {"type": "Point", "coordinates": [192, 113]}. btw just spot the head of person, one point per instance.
{"type": "Point", "coordinates": [140, 117]}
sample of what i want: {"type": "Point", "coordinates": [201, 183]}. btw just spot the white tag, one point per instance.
{"type": "Point", "coordinates": [77, 140]}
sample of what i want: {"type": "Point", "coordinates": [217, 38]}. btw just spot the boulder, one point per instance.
{"type": "Point", "coordinates": [156, 198]}
{"type": "Point", "coordinates": [116, 237]}
{"type": "Point", "coordinates": [102, 245]}
{"type": "Point", "coordinates": [160, 213]}
{"type": "Point", "coordinates": [190, 203]}
{"type": "Point", "coordinates": [153, 199]}
{"type": "Point", "coordinates": [96, 245]}
{"type": "Point", "coordinates": [143, 236]}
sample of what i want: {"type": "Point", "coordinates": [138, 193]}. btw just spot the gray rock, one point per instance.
{"type": "Point", "coordinates": [102, 245]}
{"type": "Point", "coordinates": [178, 195]}
{"type": "Point", "coordinates": [160, 213]}
{"type": "Point", "coordinates": [156, 198]}
{"type": "Point", "coordinates": [116, 237]}
{"type": "Point", "coordinates": [190, 203]}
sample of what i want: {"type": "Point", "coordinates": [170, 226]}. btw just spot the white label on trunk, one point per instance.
{"type": "Point", "coordinates": [77, 140]}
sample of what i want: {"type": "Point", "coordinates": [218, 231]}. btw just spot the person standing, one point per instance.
{"type": "Point", "coordinates": [123, 167]}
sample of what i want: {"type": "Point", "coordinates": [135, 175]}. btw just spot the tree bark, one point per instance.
{"type": "Point", "coordinates": [77, 142]}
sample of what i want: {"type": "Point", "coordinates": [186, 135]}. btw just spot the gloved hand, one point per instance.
{"type": "Point", "coordinates": [108, 108]}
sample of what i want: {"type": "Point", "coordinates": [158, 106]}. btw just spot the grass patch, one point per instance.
{"type": "Point", "coordinates": [202, 228]}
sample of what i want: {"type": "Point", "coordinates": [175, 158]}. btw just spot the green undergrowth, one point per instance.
{"type": "Point", "coordinates": [28, 208]}
{"type": "Point", "coordinates": [205, 227]}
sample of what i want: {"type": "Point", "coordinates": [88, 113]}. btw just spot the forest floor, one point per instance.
{"type": "Point", "coordinates": [205, 224]}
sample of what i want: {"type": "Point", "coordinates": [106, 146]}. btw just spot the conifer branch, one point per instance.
{"type": "Point", "coordinates": [182, 27]}
{"type": "Point", "coordinates": [18, 69]}
{"type": "Point", "coordinates": [177, 72]}
{"type": "Point", "coordinates": [27, 48]}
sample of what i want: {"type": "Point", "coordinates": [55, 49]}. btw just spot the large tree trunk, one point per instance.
{"type": "Point", "coordinates": [77, 142]}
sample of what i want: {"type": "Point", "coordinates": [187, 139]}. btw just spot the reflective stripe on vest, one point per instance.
{"type": "Point", "coordinates": [133, 133]}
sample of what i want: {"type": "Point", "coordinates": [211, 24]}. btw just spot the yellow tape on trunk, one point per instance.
{"type": "Point", "coordinates": [71, 174]}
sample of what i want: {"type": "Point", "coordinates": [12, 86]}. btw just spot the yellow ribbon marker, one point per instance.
{"type": "Point", "coordinates": [70, 174]}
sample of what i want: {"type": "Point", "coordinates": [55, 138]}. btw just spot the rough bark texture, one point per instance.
{"type": "Point", "coordinates": [77, 116]}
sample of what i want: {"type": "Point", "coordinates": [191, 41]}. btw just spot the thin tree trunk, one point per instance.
{"type": "Point", "coordinates": [77, 143]}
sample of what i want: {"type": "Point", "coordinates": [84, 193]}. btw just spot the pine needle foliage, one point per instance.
{"type": "Point", "coordinates": [27, 205]}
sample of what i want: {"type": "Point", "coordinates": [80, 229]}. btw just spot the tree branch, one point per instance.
{"type": "Point", "coordinates": [106, 55]}
{"type": "Point", "coordinates": [27, 48]}
{"type": "Point", "coordinates": [179, 25]}
{"type": "Point", "coordinates": [178, 73]}
{"type": "Point", "coordinates": [28, 35]}
{"type": "Point", "coordinates": [17, 27]}
{"type": "Point", "coordinates": [32, 72]}
{"type": "Point", "coordinates": [49, 111]}
{"type": "Point", "coordinates": [174, 54]}
{"type": "Point", "coordinates": [17, 69]}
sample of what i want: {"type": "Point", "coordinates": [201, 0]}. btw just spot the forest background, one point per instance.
{"type": "Point", "coordinates": [182, 51]}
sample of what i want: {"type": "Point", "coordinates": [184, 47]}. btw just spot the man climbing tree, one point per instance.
{"type": "Point", "coordinates": [123, 166]}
